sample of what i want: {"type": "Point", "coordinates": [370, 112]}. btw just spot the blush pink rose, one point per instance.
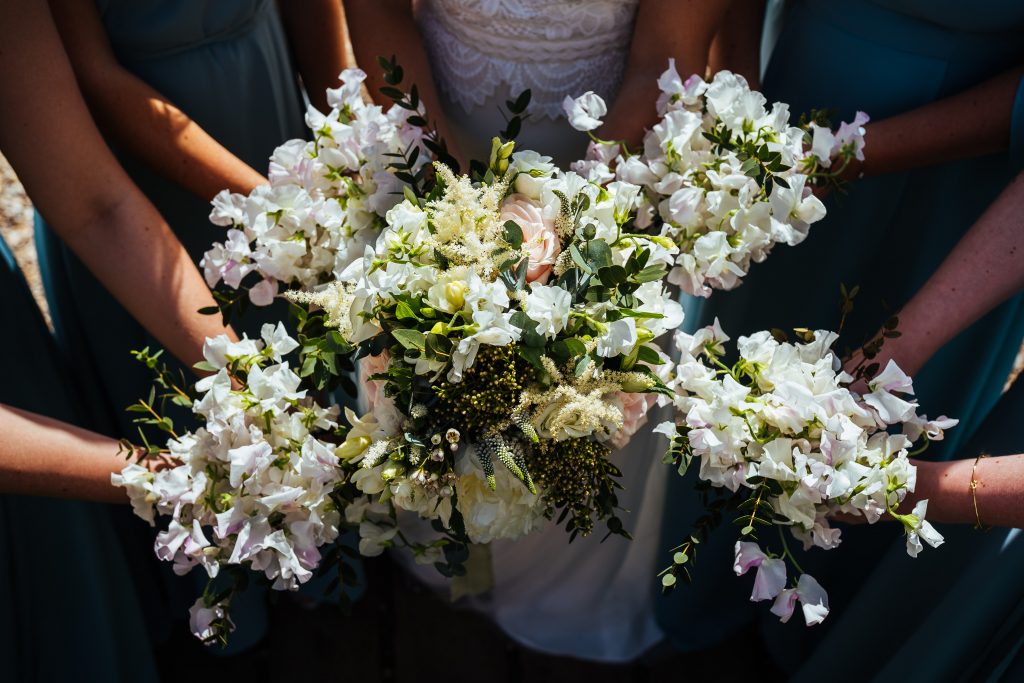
{"type": "Point", "coordinates": [540, 242]}
{"type": "Point", "coordinates": [372, 365]}
{"type": "Point", "coordinates": [634, 416]}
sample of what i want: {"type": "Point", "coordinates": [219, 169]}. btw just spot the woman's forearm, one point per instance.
{"type": "Point", "coordinates": [318, 37]}
{"type": "Point", "coordinates": [86, 196]}
{"type": "Point", "coordinates": [735, 46]}
{"type": "Point", "coordinates": [386, 28]}
{"type": "Point", "coordinates": [151, 128]}
{"type": "Point", "coordinates": [679, 29]}
{"type": "Point", "coordinates": [970, 124]}
{"type": "Point", "coordinates": [45, 457]}
{"type": "Point", "coordinates": [139, 119]}
{"type": "Point", "coordinates": [947, 487]}
{"type": "Point", "coordinates": [134, 254]}
{"type": "Point", "coordinates": [984, 269]}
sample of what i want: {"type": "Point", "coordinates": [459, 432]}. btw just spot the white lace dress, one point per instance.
{"type": "Point", "coordinates": [588, 600]}
{"type": "Point", "coordinates": [483, 52]}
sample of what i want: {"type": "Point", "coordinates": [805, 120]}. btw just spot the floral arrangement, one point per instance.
{"type": "Point", "coordinates": [786, 434]}
{"type": "Point", "coordinates": [504, 325]}
{"type": "Point", "coordinates": [724, 176]}
{"type": "Point", "coordinates": [326, 199]}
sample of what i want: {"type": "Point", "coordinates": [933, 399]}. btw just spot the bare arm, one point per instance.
{"type": "Point", "coordinates": [984, 269]}
{"type": "Point", "coordinates": [44, 457]}
{"type": "Point", "coordinates": [682, 29]}
{"type": "Point", "coordinates": [947, 487]}
{"type": "Point", "coordinates": [141, 120]}
{"type": "Point", "coordinates": [75, 182]}
{"type": "Point", "coordinates": [736, 46]}
{"type": "Point", "coordinates": [318, 37]}
{"type": "Point", "coordinates": [972, 123]}
{"type": "Point", "coordinates": [382, 28]}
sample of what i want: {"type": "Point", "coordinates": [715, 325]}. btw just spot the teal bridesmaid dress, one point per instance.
{"type": "Point", "coordinates": [68, 609]}
{"type": "Point", "coordinates": [887, 235]}
{"type": "Point", "coordinates": [224, 63]}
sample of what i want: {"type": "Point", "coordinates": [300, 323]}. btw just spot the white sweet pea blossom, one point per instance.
{"type": "Point", "coordinates": [918, 529]}
{"type": "Point", "coordinates": [549, 307]}
{"type": "Point", "coordinates": [618, 338]}
{"type": "Point", "coordinates": [771, 571]}
{"type": "Point", "coordinates": [585, 112]}
{"type": "Point", "coordinates": [852, 135]}
{"type": "Point", "coordinates": [206, 623]}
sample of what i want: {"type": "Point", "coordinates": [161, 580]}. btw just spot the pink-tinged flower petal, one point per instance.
{"type": "Point", "coordinates": [784, 604]}
{"type": "Point", "coordinates": [747, 555]}
{"type": "Point", "coordinates": [540, 241]}
{"type": "Point", "coordinates": [813, 599]}
{"type": "Point", "coordinates": [770, 580]}
{"type": "Point", "coordinates": [263, 293]}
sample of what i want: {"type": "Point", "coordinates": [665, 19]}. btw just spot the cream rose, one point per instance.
{"type": "Point", "coordinates": [540, 242]}
{"type": "Point", "coordinates": [508, 512]}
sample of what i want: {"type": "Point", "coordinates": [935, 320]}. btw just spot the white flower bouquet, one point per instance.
{"type": "Point", "coordinates": [504, 325]}
{"type": "Point", "coordinates": [784, 434]}
{"type": "Point", "coordinates": [724, 176]}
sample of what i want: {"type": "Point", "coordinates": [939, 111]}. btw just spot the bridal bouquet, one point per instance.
{"type": "Point", "coordinates": [783, 431]}
{"type": "Point", "coordinates": [506, 348]}
{"type": "Point", "coordinates": [724, 176]}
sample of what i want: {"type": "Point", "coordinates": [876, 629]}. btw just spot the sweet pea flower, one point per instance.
{"type": "Point", "coordinates": [771, 571]}
{"type": "Point", "coordinates": [851, 135]}
{"type": "Point", "coordinates": [585, 111]}
{"type": "Point", "coordinates": [813, 599]}
{"type": "Point", "coordinates": [549, 307]}
{"type": "Point", "coordinates": [918, 529]}
{"type": "Point", "coordinates": [206, 623]}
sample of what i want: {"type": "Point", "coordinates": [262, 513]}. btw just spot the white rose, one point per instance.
{"type": "Point", "coordinates": [510, 511]}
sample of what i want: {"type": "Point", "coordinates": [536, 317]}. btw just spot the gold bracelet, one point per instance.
{"type": "Point", "coordinates": [978, 524]}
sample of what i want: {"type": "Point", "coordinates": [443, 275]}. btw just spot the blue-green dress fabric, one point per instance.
{"type": "Point", "coordinates": [887, 234]}
{"type": "Point", "coordinates": [67, 607]}
{"type": "Point", "coordinates": [225, 64]}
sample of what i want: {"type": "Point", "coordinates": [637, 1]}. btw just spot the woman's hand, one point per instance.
{"type": "Point", "coordinates": [664, 29]}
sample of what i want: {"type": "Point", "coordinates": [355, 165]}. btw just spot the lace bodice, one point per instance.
{"type": "Point", "coordinates": [553, 47]}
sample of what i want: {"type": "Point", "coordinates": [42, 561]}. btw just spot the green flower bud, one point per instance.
{"type": "Point", "coordinates": [353, 447]}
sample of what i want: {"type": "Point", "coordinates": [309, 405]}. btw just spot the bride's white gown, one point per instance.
{"type": "Point", "coordinates": [587, 599]}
